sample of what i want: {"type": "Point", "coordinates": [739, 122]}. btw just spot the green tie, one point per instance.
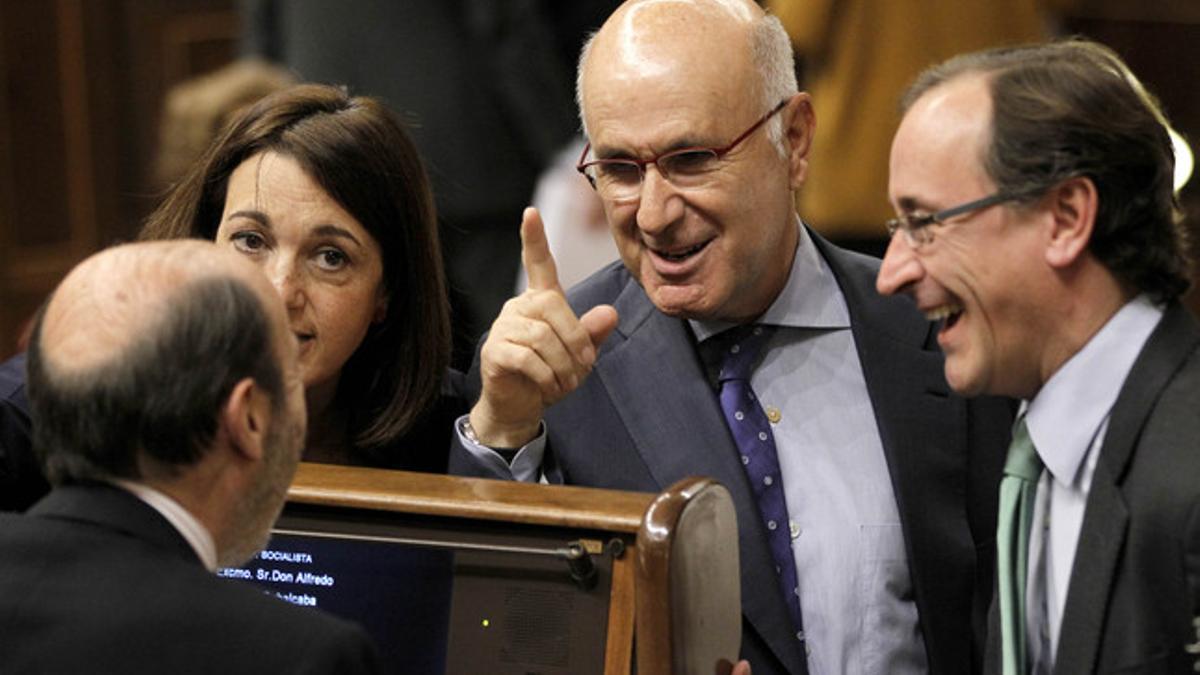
{"type": "Point", "coordinates": [1017, 492]}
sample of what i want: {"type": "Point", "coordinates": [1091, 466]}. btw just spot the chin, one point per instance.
{"type": "Point", "coordinates": [680, 303]}
{"type": "Point", "coordinates": [963, 384]}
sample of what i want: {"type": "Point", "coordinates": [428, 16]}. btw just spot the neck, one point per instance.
{"type": "Point", "coordinates": [328, 439]}
{"type": "Point", "coordinates": [1093, 297]}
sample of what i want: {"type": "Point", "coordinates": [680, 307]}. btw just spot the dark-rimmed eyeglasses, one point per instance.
{"type": "Point", "coordinates": [916, 227]}
{"type": "Point", "coordinates": [621, 179]}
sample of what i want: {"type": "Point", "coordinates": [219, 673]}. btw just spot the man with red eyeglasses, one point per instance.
{"type": "Point", "coordinates": [731, 341]}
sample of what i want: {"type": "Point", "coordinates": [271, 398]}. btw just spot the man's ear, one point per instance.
{"type": "Point", "coordinates": [800, 122]}
{"type": "Point", "coordinates": [1072, 207]}
{"type": "Point", "coordinates": [245, 418]}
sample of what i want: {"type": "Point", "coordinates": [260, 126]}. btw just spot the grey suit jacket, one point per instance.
{"type": "Point", "coordinates": [1135, 583]}
{"type": "Point", "coordinates": [647, 417]}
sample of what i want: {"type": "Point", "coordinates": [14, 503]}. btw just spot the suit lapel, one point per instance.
{"type": "Point", "coordinates": [1105, 520]}
{"type": "Point", "coordinates": [923, 432]}
{"type": "Point", "coordinates": [657, 385]}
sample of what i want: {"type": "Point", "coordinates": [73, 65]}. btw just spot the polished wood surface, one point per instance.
{"type": "Point", "coordinates": [473, 498]}
{"type": "Point", "coordinates": [688, 579]}
{"type": "Point", "coordinates": [675, 589]}
{"type": "Point", "coordinates": [618, 653]}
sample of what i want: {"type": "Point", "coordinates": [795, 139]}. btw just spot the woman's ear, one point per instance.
{"type": "Point", "coordinates": [381, 307]}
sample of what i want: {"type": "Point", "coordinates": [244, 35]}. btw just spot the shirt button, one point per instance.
{"type": "Point", "coordinates": [762, 436]}
{"type": "Point", "coordinates": [771, 525]}
{"type": "Point", "coordinates": [745, 460]}
{"type": "Point", "coordinates": [767, 480]}
{"type": "Point", "coordinates": [800, 635]}
{"type": "Point", "coordinates": [739, 415]}
{"type": "Point", "coordinates": [735, 349]}
{"type": "Point", "coordinates": [773, 414]}
{"type": "Point", "coordinates": [758, 330]}
{"type": "Point", "coordinates": [795, 529]}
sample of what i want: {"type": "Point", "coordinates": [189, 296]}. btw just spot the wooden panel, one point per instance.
{"type": "Point", "coordinates": [165, 43]}
{"type": "Point", "coordinates": [688, 581]}
{"type": "Point", "coordinates": [618, 655]}
{"type": "Point", "coordinates": [432, 494]}
{"type": "Point", "coordinates": [81, 85]}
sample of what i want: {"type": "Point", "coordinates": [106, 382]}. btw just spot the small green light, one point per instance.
{"type": "Point", "coordinates": [486, 623]}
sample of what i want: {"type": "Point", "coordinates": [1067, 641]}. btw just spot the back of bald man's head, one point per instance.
{"type": "Point", "coordinates": [136, 352]}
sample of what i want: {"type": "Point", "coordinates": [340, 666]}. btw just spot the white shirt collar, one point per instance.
{"type": "Point", "coordinates": [184, 522]}
{"type": "Point", "coordinates": [810, 298]}
{"type": "Point", "coordinates": [1065, 415]}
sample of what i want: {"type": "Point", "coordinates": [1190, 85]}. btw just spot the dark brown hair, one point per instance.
{"type": "Point", "coordinates": [360, 154]}
{"type": "Point", "coordinates": [1072, 108]}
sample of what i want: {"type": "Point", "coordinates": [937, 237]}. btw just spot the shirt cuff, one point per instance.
{"type": "Point", "coordinates": [526, 464]}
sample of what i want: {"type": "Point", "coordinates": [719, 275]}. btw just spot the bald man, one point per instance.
{"type": "Point", "coordinates": [731, 341]}
{"type": "Point", "coordinates": [170, 422]}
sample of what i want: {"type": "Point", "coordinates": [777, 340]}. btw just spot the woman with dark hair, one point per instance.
{"type": "Point", "coordinates": [326, 192]}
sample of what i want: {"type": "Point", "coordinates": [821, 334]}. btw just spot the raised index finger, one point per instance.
{"type": "Point", "coordinates": [535, 253]}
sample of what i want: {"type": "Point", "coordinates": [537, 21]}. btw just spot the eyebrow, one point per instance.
{"type": "Point", "coordinates": [257, 216]}
{"type": "Point", "coordinates": [910, 204]}
{"type": "Point", "coordinates": [619, 153]}
{"type": "Point", "coordinates": [326, 230]}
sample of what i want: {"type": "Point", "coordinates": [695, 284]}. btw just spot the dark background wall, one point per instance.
{"type": "Point", "coordinates": [82, 84]}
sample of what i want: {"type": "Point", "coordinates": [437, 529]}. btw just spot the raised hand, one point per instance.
{"type": "Point", "coordinates": [538, 351]}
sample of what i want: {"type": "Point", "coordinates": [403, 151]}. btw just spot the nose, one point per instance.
{"type": "Point", "coordinates": [659, 204]}
{"type": "Point", "coordinates": [286, 277]}
{"type": "Point", "coordinates": [901, 267]}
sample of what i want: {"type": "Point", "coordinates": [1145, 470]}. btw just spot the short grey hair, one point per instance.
{"type": "Point", "coordinates": [772, 57]}
{"type": "Point", "coordinates": [776, 64]}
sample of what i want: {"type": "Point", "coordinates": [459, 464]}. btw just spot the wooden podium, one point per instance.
{"type": "Point", "coordinates": [537, 578]}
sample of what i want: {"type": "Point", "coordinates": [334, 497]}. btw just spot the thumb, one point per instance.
{"type": "Point", "coordinates": [599, 322]}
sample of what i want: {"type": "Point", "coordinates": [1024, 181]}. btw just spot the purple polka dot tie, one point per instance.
{"type": "Point", "coordinates": [756, 446]}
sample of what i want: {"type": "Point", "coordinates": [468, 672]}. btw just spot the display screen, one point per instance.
{"type": "Point", "coordinates": [400, 594]}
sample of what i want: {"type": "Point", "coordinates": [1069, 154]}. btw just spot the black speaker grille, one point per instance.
{"type": "Point", "coordinates": [537, 628]}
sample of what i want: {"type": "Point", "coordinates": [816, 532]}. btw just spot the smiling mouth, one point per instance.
{"type": "Point", "coordinates": [681, 254]}
{"type": "Point", "coordinates": [948, 313]}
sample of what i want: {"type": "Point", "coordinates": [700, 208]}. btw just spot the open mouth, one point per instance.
{"type": "Point", "coordinates": [681, 254]}
{"type": "Point", "coordinates": [949, 314]}
{"type": "Point", "coordinates": [304, 338]}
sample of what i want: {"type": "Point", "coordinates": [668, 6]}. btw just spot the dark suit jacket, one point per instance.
{"type": "Point", "coordinates": [1135, 583]}
{"type": "Point", "coordinates": [422, 448]}
{"type": "Point", "coordinates": [21, 481]}
{"type": "Point", "coordinates": [92, 580]}
{"type": "Point", "coordinates": [647, 417]}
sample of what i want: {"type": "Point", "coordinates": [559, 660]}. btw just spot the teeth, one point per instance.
{"type": "Point", "coordinates": [939, 313]}
{"type": "Point", "coordinates": [681, 254]}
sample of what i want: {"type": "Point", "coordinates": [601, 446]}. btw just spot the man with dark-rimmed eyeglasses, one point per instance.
{"type": "Point", "coordinates": [1039, 226]}
{"type": "Point", "coordinates": [731, 341]}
